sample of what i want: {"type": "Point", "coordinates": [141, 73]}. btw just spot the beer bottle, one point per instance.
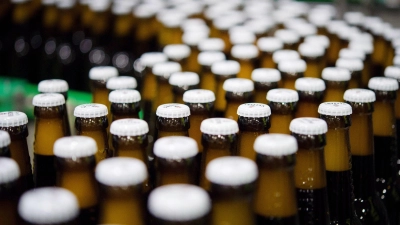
{"type": "Point", "coordinates": [178, 53]}
{"type": "Point", "coordinates": [176, 160]}
{"type": "Point", "coordinates": [98, 79]}
{"type": "Point", "coordinates": [16, 124]}
{"type": "Point", "coordinates": [290, 38]}
{"type": "Point", "coordinates": [172, 120]}
{"type": "Point", "coordinates": [125, 103]}
{"type": "Point", "coordinates": [322, 41]}
{"type": "Point", "coordinates": [338, 162]}
{"type": "Point", "coordinates": [121, 82]}
{"type": "Point", "coordinates": [259, 26]}
{"type": "Point", "coordinates": [75, 163]}
{"type": "Point", "coordinates": [309, 171]}
{"type": "Point", "coordinates": [121, 191]}
{"type": "Point", "coordinates": [211, 44]}
{"type": "Point", "coordinates": [206, 59]}
{"type": "Point", "coordinates": [267, 46]}
{"type": "Point", "coordinates": [240, 35]}
{"type": "Point", "coordinates": [192, 39]}
{"type": "Point", "coordinates": [182, 204]}
{"type": "Point", "coordinates": [48, 205]}
{"type": "Point", "coordinates": [253, 121]}
{"type": "Point", "coordinates": [181, 82]}
{"type": "Point", "coordinates": [9, 194]}
{"type": "Point", "coordinates": [355, 66]}
{"type": "Point", "coordinates": [332, 28]}
{"type": "Point", "coordinates": [313, 54]}
{"type": "Point", "coordinates": [233, 183]}
{"type": "Point", "coordinates": [391, 35]}
{"type": "Point", "coordinates": [336, 82]}
{"type": "Point", "coordinates": [347, 53]}
{"type": "Point", "coordinates": [369, 207]}
{"type": "Point", "coordinates": [219, 138]}
{"type": "Point", "coordinates": [284, 54]}
{"type": "Point", "coordinates": [275, 198]}
{"type": "Point", "coordinates": [283, 104]}
{"type": "Point", "coordinates": [385, 144]}
{"type": "Point", "coordinates": [91, 120]}
{"type": "Point", "coordinates": [367, 48]}
{"type": "Point", "coordinates": [246, 55]}
{"type": "Point", "coordinates": [169, 21]}
{"type": "Point", "coordinates": [264, 80]}
{"type": "Point", "coordinates": [376, 28]}
{"type": "Point", "coordinates": [201, 104]}
{"type": "Point", "coordinates": [164, 91]}
{"type": "Point", "coordinates": [291, 70]}
{"type": "Point", "coordinates": [237, 91]}
{"type": "Point", "coordinates": [5, 142]}
{"type": "Point", "coordinates": [354, 18]}
{"type": "Point", "coordinates": [222, 71]}
{"type": "Point", "coordinates": [57, 86]}
{"type": "Point", "coordinates": [311, 92]}
{"type": "Point", "coordinates": [49, 126]}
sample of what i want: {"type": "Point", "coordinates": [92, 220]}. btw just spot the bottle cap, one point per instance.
{"type": "Point", "coordinates": [219, 126]}
{"type": "Point", "coordinates": [227, 67]}
{"type": "Point", "coordinates": [318, 39]}
{"type": "Point", "coordinates": [191, 8]}
{"type": "Point", "coordinates": [177, 51]}
{"type": "Point", "coordinates": [366, 46]}
{"type": "Point", "coordinates": [291, 23]}
{"type": "Point", "coordinates": [90, 110]}
{"type": "Point", "coordinates": [225, 22]}
{"type": "Point", "coordinates": [392, 72]}
{"type": "Point", "coordinates": [287, 36]}
{"type": "Point", "coordinates": [103, 73]}
{"type": "Point", "coordinates": [147, 10]}
{"type": "Point", "coordinates": [66, 4]}
{"type": "Point", "coordinates": [231, 171]}
{"type": "Point", "coordinates": [334, 109]}
{"type": "Point", "coordinates": [74, 147]}
{"type": "Point", "coordinates": [265, 75]}
{"type": "Point", "coordinates": [359, 95]}
{"type": "Point", "coordinates": [280, 16]}
{"type": "Point", "coordinates": [305, 29]}
{"type": "Point", "coordinates": [282, 95]}
{"type": "Point", "coordinates": [292, 66]}
{"type": "Point", "coordinates": [184, 79]}
{"type": "Point", "coordinates": [121, 82]}
{"type": "Point", "coordinates": [9, 170]}
{"type": "Point", "coordinates": [285, 54]}
{"type": "Point", "coordinates": [275, 145]}
{"type": "Point", "coordinates": [269, 44]}
{"type": "Point", "coordinates": [313, 50]}
{"type": "Point", "coordinates": [350, 64]}
{"type": "Point", "coordinates": [42, 206]}
{"type": "Point", "coordinates": [179, 202]}
{"type": "Point", "coordinates": [396, 60]}
{"type": "Point", "coordinates": [347, 32]}
{"type": "Point", "coordinates": [198, 96]}
{"type": "Point", "coordinates": [391, 33]}
{"type": "Point", "coordinates": [242, 37]}
{"type": "Point", "coordinates": [171, 17]}
{"type": "Point", "coordinates": [354, 18]}
{"type": "Point", "coordinates": [129, 127]}
{"type": "Point", "coordinates": [189, 23]}
{"type": "Point", "coordinates": [319, 18]}
{"type": "Point", "coordinates": [166, 68]}
{"type": "Point", "coordinates": [211, 44]}
{"type": "Point", "coordinates": [13, 119]}
{"type": "Point", "coordinates": [336, 74]}
{"type": "Point", "coordinates": [334, 25]}
{"type": "Point", "coordinates": [383, 84]}
{"type": "Point", "coordinates": [207, 58]}
{"type": "Point", "coordinates": [193, 38]}
{"type": "Point", "coordinates": [361, 37]}
{"type": "Point", "coordinates": [124, 96]}
{"type": "Point", "coordinates": [256, 110]}
{"type": "Point", "coordinates": [175, 147]}
{"type": "Point", "coordinates": [259, 26]}
{"type": "Point", "coordinates": [308, 126]}
{"type": "Point", "coordinates": [121, 171]}
{"type": "Point", "coordinates": [48, 100]}
{"type": "Point", "coordinates": [173, 110]}
{"type": "Point", "coordinates": [149, 59]}
{"type": "Point", "coordinates": [99, 6]}
{"type": "Point", "coordinates": [122, 8]}
{"type": "Point", "coordinates": [309, 84]}
{"type": "Point", "coordinates": [238, 85]}
{"type": "Point", "coordinates": [53, 85]}
{"type": "Point", "coordinates": [244, 51]}
{"type": "Point", "coordinates": [348, 53]}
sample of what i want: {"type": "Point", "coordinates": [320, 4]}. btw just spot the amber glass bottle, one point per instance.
{"type": "Point", "coordinates": [267, 46]}
{"type": "Point", "coordinates": [206, 59]}
{"type": "Point", "coordinates": [164, 90]}
{"type": "Point", "coordinates": [49, 126]}
{"type": "Point", "coordinates": [338, 162]}
{"type": "Point", "coordinates": [369, 207]}
{"type": "Point", "coordinates": [9, 193]}
{"type": "Point", "coordinates": [172, 120]}
{"type": "Point", "coordinates": [98, 80]}
{"type": "Point", "coordinates": [182, 204]}
{"type": "Point", "coordinates": [237, 91]}
{"type": "Point", "coordinates": [125, 103]}
{"type": "Point", "coordinates": [347, 53]}
{"type": "Point", "coordinates": [264, 80]}
{"type": "Point", "coordinates": [284, 54]}
{"type": "Point", "coordinates": [291, 70]}
{"type": "Point", "coordinates": [313, 54]}
{"type": "Point", "coordinates": [367, 48]}
{"type": "Point", "coordinates": [275, 199]}
{"type": "Point", "coordinates": [336, 82]}
{"type": "Point", "coordinates": [309, 171]}
{"type": "Point", "coordinates": [42, 206]}
{"type": "Point", "coordinates": [283, 104]}
{"type": "Point", "coordinates": [121, 191]}
{"type": "Point", "coordinates": [75, 163]}
{"type": "Point", "coordinates": [290, 38]}
{"type": "Point", "coordinates": [246, 55]}
{"type": "Point", "coordinates": [253, 121]}
{"type": "Point", "coordinates": [355, 66]}
{"type": "Point", "coordinates": [311, 92]}
{"type": "Point", "coordinates": [181, 82]}
{"type": "Point", "coordinates": [233, 183]}
{"type": "Point", "coordinates": [178, 53]}
{"type": "Point", "coordinates": [5, 142]}
{"type": "Point", "coordinates": [322, 41]}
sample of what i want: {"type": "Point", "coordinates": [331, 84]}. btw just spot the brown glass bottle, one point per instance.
{"type": "Point", "coordinates": [237, 91]}
{"type": "Point", "coordinates": [163, 71]}
{"type": "Point", "coordinates": [369, 207]}
{"type": "Point", "coordinates": [311, 92]}
{"type": "Point", "coordinates": [124, 104]}
{"type": "Point", "coordinates": [253, 121]}
{"type": "Point", "coordinates": [122, 199]}
{"type": "Point", "coordinates": [178, 53]}
{"type": "Point", "coordinates": [9, 194]}
{"type": "Point", "coordinates": [172, 120]}
{"type": "Point", "coordinates": [309, 171]}
{"type": "Point", "coordinates": [181, 82]}
{"type": "Point", "coordinates": [206, 59]}
{"type": "Point", "coordinates": [267, 46]}
{"type": "Point", "coordinates": [264, 80]}
{"type": "Point", "coordinates": [290, 38]}
{"type": "Point", "coordinates": [75, 163]}
{"type": "Point", "coordinates": [338, 162]}
{"type": "Point", "coordinates": [355, 66]}
{"type": "Point", "coordinates": [291, 70]}
{"type": "Point", "coordinates": [336, 82]}
{"type": "Point", "coordinates": [16, 124]}
{"type": "Point", "coordinates": [98, 78]}
{"type": "Point", "coordinates": [283, 103]}
{"type": "Point", "coordinates": [49, 126]}
{"type": "Point", "coordinates": [313, 53]}
{"type": "Point", "coordinates": [5, 142]}
{"type": "Point", "coordinates": [275, 198]}
{"type": "Point", "coordinates": [246, 55]}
